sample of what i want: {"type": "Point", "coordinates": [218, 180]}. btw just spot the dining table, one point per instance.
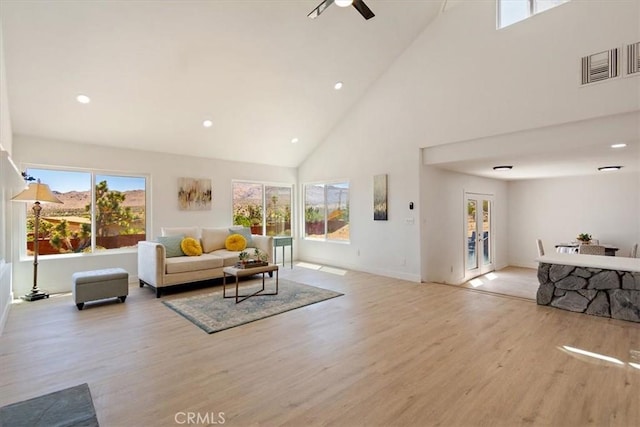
{"type": "Point", "coordinates": [572, 248]}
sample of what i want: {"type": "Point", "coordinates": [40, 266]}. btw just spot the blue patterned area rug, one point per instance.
{"type": "Point", "coordinates": [213, 313]}
{"type": "Point", "coordinates": [71, 407]}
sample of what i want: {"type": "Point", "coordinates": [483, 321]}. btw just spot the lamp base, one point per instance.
{"type": "Point", "coordinates": [35, 295]}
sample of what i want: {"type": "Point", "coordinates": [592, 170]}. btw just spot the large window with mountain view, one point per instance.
{"type": "Point", "coordinates": [326, 211]}
{"type": "Point", "coordinates": [263, 207]}
{"type": "Point", "coordinates": [98, 212]}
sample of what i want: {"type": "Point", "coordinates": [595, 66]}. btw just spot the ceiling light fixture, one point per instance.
{"type": "Point", "coordinates": [502, 168]}
{"type": "Point", "coordinates": [621, 145]}
{"type": "Point", "coordinates": [338, 85]}
{"type": "Point", "coordinates": [609, 168]}
{"type": "Point", "coordinates": [295, 140]}
{"type": "Point", "coordinates": [343, 3]}
{"type": "Point", "coordinates": [83, 99]}
{"type": "Point", "coordinates": [207, 123]}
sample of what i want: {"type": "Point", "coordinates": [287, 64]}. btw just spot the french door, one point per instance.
{"type": "Point", "coordinates": [478, 232]}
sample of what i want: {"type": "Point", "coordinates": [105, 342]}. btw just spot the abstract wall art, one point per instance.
{"type": "Point", "coordinates": [194, 194]}
{"type": "Point", "coordinates": [380, 197]}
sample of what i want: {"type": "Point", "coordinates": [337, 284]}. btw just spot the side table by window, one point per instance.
{"type": "Point", "coordinates": [282, 241]}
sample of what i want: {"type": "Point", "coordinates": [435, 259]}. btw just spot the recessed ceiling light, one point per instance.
{"type": "Point", "coordinates": [343, 3]}
{"type": "Point", "coordinates": [609, 168]}
{"type": "Point", "coordinates": [502, 168]}
{"type": "Point", "coordinates": [207, 123]}
{"type": "Point", "coordinates": [621, 145]}
{"type": "Point", "coordinates": [295, 140]}
{"type": "Point", "coordinates": [83, 99]}
{"type": "Point", "coordinates": [338, 85]}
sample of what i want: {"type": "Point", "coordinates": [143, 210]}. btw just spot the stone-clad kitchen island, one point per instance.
{"type": "Point", "coordinates": [592, 284]}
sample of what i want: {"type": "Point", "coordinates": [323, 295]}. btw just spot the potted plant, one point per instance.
{"type": "Point", "coordinates": [584, 238]}
{"type": "Point", "coordinates": [260, 255]}
{"type": "Point", "coordinates": [256, 226]}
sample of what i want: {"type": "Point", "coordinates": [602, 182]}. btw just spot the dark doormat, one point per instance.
{"type": "Point", "coordinates": [64, 408]}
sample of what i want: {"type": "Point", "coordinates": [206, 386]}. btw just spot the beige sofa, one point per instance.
{"type": "Point", "coordinates": [160, 272]}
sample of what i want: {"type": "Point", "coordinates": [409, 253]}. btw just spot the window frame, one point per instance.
{"type": "Point", "coordinates": [265, 203]}
{"type": "Point", "coordinates": [532, 10]}
{"type": "Point", "coordinates": [92, 175]}
{"type": "Point", "coordinates": [303, 222]}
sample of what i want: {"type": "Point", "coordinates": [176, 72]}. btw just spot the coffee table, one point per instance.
{"type": "Point", "coordinates": [243, 272]}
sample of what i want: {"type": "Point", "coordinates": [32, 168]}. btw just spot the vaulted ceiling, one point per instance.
{"type": "Point", "coordinates": [261, 71]}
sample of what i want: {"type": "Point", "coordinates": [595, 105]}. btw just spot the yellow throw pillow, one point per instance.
{"type": "Point", "coordinates": [235, 242]}
{"type": "Point", "coordinates": [191, 246]}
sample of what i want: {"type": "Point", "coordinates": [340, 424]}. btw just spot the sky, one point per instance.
{"type": "Point", "coordinates": [65, 181]}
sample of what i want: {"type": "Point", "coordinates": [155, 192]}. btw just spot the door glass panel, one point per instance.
{"type": "Point", "coordinates": [486, 229]}
{"type": "Point", "coordinates": [472, 259]}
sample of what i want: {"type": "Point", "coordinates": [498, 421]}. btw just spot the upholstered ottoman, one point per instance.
{"type": "Point", "coordinates": [99, 284]}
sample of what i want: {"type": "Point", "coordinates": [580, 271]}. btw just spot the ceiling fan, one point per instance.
{"type": "Point", "coordinates": [358, 4]}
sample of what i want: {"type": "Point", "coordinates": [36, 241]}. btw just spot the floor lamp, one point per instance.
{"type": "Point", "coordinates": [36, 193]}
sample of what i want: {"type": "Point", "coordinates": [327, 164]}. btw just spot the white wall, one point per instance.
{"type": "Point", "coordinates": [388, 248]}
{"type": "Point", "coordinates": [460, 80]}
{"type": "Point", "coordinates": [5, 122]}
{"type": "Point", "coordinates": [54, 273]}
{"type": "Point", "coordinates": [463, 79]}
{"type": "Point", "coordinates": [10, 180]}
{"type": "Point", "coordinates": [557, 209]}
{"type": "Point", "coordinates": [11, 183]}
{"type": "Point", "coordinates": [444, 222]}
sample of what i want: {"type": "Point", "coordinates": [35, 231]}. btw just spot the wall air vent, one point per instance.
{"type": "Point", "coordinates": [633, 59]}
{"type": "Point", "coordinates": [600, 66]}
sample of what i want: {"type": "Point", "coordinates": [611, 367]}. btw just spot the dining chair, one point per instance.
{"type": "Point", "coordinates": [591, 250]}
{"type": "Point", "coordinates": [634, 251]}
{"type": "Point", "coordinates": [540, 247]}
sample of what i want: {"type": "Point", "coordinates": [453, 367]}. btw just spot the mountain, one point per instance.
{"type": "Point", "coordinates": [336, 196]}
{"type": "Point", "coordinates": [77, 200]}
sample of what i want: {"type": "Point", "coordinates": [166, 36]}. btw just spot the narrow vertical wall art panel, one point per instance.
{"type": "Point", "coordinates": [194, 194]}
{"type": "Point", "coordinates": [380, 197]}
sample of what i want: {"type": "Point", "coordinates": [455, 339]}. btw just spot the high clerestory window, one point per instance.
{"type": "Point", "coordinates": [512, 11]}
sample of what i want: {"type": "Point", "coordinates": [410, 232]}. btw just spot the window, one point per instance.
{"type": "Point", "coordinates": [111, 216]}
{"type": "Point", "coordinates": [512, 11]}
{"type": "Point", "coordinates": [326, 211]}
{"type": "Point", "coordinates": [264, 208]}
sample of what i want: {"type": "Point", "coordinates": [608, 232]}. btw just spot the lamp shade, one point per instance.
{"type": "Point", "coordinates": [343, 3]}
{"type": "Point", "coordinates": [37, 192]}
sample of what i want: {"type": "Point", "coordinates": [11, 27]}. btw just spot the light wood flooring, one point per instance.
{"type": "Point", "coordinates": [387, 353]}
{"type": "Point", "coordinates": [512, 281]}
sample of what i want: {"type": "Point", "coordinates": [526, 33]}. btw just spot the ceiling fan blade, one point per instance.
{"type": "Point", "coordinates": [321, 8]}
{"type": "Point", "coordinates": [363, 9]}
